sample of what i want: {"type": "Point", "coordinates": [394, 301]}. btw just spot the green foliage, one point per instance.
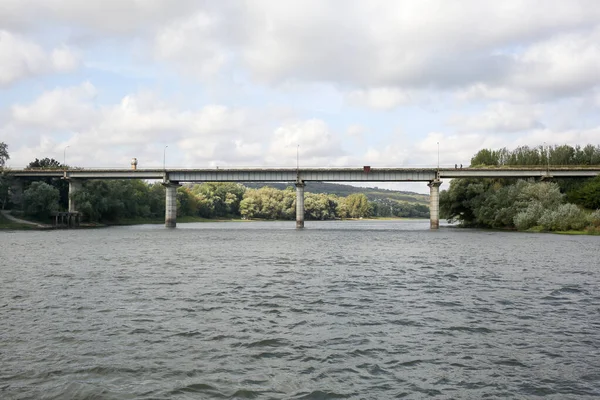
{"type": "Point", "coordinates": [565, 217]}
{"type": "Point", "coordinates": [40, 200]}
{"type": "Point", "coordinates": [462, 200]}
{"type": "Point", "coordinates": [134, 200]}
{"type": "Point", "coordinates": [269, 203]}
{"type": "Point", "coordinates": [505, 203]}
{"type": "Point", "coordinates": [3, 154]}
{"type": "Point", "coordinates": [113, 200]}
{"type": "Point", "coordinates": [587, 195]}
{"type": "Point", "coordinates": [4, 181]}
{"type": "Point", "coordinates": [45, 163]}
{"type": "Point", "coordinates": [356, 206]}
{"type": "Point", "coordinates": [61, 184]}
{"type": "Point", "coordinates": [219, 198]}
{"type": "Point", "coordinates": [540, 155]}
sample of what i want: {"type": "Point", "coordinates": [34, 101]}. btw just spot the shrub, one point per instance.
{"type": "Point", "coordinates": [529, 217]}
{"type": "Point", "coordinates": [565, 217]}
{"type": "Point", "coordinates": [40, 200]}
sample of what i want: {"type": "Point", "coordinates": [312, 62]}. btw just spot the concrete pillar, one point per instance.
{"type": "Point", "coordinates": [434, 204]}
{"type": "Point", "coordinates": [300, 205]}
{"type": "Point", "coordinates": [74, 186]}
{"type": "Point", "coordinates": [15, 193]}
{"type": "Point", "coordinates": [171, 204]}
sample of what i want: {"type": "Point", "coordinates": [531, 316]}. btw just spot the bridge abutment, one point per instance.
{"type": "Point", "coordinates": [74, 186]}
{"type": "Point", "coordinates": [171, 204]}
{"type": "Point", "coordinates": [434, 203]}
{"type": "Point", "coordinates": [300, 204]}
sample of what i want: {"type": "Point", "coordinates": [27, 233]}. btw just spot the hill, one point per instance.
{"type": "Point", "coordinates": [373, 194]}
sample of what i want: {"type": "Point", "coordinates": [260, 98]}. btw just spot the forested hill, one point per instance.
{"type": "Point", "coordinates": [342, 190]}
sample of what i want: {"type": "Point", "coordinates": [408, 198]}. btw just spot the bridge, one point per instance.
{"type": "Point", "coordinates": [172, 178]}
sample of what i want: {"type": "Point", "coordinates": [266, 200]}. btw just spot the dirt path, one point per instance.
{"type": "Point", "coordinates": [22, 221]}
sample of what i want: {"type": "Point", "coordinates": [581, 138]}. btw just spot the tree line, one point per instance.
{"type": "Point", "coordinates": [556, 205]}
{"type": "Point", "coordinates": [116, 200]}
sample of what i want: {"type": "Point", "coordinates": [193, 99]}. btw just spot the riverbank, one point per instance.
{"type": "Point", "coordinates": [10, 222]}
{"type": "Point", "coordinates": [588, 232]}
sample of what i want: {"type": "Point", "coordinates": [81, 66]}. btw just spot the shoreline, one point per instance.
{"type": "Point", "coordinates": [10, 222]}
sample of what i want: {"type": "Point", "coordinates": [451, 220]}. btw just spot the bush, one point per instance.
{"type": "Point", "coordinates": [594, 219]}
{"type": "Point", "coordinates": [565, 217]}
{"type": "Point", "coordinates": [529, 217]}
{"type": "Point", "coordinates": [41, 200]}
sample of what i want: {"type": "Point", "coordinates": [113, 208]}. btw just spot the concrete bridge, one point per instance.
{"type": "Point", "coordinates": [173, 177]}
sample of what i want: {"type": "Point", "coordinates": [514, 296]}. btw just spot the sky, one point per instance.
{"type": "Point", "coordinates": [385, 83]}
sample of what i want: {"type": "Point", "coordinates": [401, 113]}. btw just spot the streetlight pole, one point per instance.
{"type": "Point", "coordinates": [548, 158]}
{"type": "Point", "coordinates": [165, 157]}
{"type": "Point", "coordinates": [438, 163]}
{"type": "Point", "coordinates": [298, 158]}
{"type": "Point", "coordinates": [65, 157]}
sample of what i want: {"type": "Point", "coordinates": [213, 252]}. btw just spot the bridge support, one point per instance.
{"type": "Point", "coordinates": [15, 193]}
{"type": "Point", "coordinates": [171, 204]}
{"type": "Point", "coordinates": [434, 203]}
{"type": "Point", "coordinates": [74, 186]}
{"type": "Point", "coordinates": [300, 205]}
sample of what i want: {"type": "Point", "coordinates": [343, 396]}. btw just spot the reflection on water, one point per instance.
{"type": "Point", "coordinates": [364, 309]}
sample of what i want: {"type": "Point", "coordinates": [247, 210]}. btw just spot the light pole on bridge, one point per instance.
{"type": "Point", "coordinates": [65, 157]}
{"type": "Point", "coordinates": [438, 160]}
{"type": "Point", "coordinates": [165, 157]}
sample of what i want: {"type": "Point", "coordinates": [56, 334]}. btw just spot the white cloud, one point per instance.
{"type": "Point", "coordinates": [318, 145]}
{"type": "Point", "coordinates": [501, 117]}
{"type": "Point", "coordinates": [21, 58]}
{"type": "Point", "coordinates": [190, 43]}
{"type": "Point", "coordinates": [381, 98]}
{"type": "Point", "coordinates": [59, 109]}
{"type": "Point", "coordinates": [355, 131]}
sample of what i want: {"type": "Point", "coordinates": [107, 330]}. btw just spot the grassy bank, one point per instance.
{"type": "Point", "coordinates": [6, 224]}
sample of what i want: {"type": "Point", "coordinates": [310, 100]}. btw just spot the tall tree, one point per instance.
{"type": "Point", "coordinates": [3, 154]}
{"type": "Point", "coordinates": [45, 163]}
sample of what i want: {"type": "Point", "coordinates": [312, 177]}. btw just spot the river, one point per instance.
{"type": "Point", "coordinates": [357, 309]}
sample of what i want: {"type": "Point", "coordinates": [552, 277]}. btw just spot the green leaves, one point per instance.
{"type": "Point", "coordinates": [3, 154]}
{"type": "Point", "coordinates": [40, 200]}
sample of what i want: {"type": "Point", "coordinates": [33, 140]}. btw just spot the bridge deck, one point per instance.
{"type": "Point", "coordinates": [308, 174]}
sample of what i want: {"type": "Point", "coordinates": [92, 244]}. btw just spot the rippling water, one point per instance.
{"type": "Point", "coordinates": [369, 310]}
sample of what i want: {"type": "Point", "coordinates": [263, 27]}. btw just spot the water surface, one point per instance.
{"type": "Point", "coordinates": [360, 310]}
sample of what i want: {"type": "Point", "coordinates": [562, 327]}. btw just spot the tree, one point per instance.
{"type": "Point", "coordinates": [40, 200]}
{"type": "Point", "coordinates": [3, 154]}
{"type": "Point", "coordinates": [587, 195]}
{"type": "Point", "coordinates": [4, 184]}
{"type": "Point", "coordinates": [61, 184]}
{"type": "Point", "coordinates": [357, 206]}
{"type": "Point", "coordinates": [45, 163]}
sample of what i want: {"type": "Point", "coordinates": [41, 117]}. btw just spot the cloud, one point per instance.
{"type": "Point", "coordinates": [191, 44]}
{"type": "Point", "coordinates": [499, 50]}
{"type": "Point", "coordinates": [59, 109]}
{"type": "Point", "coordinates": [382, 98]}
{"type": "Point", "coordinates": [501, 117]}
{"type": "Point", "coordinates": [21, 58]}
{"type": "Point", "coordinates": [102, 17]}
{"type": "Point", "coordinates": [318, 145]}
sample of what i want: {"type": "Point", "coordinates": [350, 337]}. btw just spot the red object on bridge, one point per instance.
{"type": "Point", "coordinates": [367, 169]}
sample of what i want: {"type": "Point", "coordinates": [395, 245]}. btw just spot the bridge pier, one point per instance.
{"type": "Point", "coordinates": [434, 203]}
{"type": "Point", "coordinates": [171, 204]}
{"type": "Point", "coordinates": [74, 186]}
{"type": "Point", "coordinates": [15, 193]}
{"type": "Point", "coordinates": [300, 204]}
